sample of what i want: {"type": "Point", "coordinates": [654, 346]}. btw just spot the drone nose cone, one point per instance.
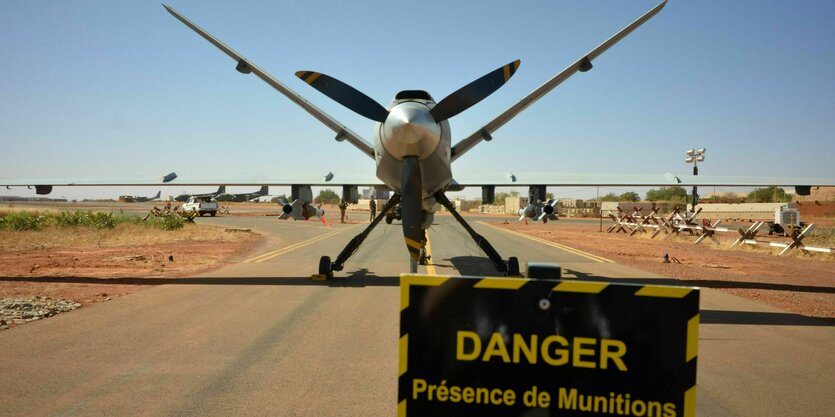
{"type": "Point", "coordinates": [405, 114]}
{"type": "Point", "coordinates": [410, 123]}
{"type": "Point", "coordinates": [410, 130]}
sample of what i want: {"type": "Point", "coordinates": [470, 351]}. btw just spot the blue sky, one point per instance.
{"type": "Point", "coordinates": [122, 89]}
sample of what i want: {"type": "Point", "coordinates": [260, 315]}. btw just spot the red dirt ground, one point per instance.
{"type": "Point", "coordinates": [53, 272]}
{"type": "Point", "coordinates": [804, 285]}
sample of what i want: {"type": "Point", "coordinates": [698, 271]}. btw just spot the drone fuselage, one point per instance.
{"type": "Point", "coordinates": [410, 130]}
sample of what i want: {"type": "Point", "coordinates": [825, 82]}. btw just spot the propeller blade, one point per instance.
{"type": "Point", "coordinates": [473, 92]}
{"type": "Point", "coordinates": [345, 95]}
{"type": "Point", "coordinates": [411, 205]}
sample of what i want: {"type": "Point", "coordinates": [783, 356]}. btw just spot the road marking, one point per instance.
{"type": "Point", "coordinates": [430, 268]}
{"type": "Point", "coordinates": [281, 251]}
{"type": "Point", "coordinates": [586, 255]}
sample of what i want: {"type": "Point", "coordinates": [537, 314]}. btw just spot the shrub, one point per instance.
{"type": "Point", "coordinates": [172, 222]}
{"type": "Point", "coordinates": [87, 218]}
{"type": "Point", "coordinates": [769, 195]}
{"type": "Point", "coordinates": [166, 222]}
{"type": "Point", "coordinates": [675, 194]}
{"type": "Point", "coordinates": [24, 221]}
{"type": "Point", "coordinates": [72, 218]}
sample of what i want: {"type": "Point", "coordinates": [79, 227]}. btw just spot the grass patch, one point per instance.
{"type": "Point", "coordinates": [34, 220]}
{"type": "Point", "coordinates": [27, 229]}
{"type": "Point", "coordinates": [122, 235]}
{"type": "Point", "coordinates": [821, 236]}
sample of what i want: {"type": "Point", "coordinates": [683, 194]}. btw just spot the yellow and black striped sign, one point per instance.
{"type": "Point", "coordinates": [522, 347]}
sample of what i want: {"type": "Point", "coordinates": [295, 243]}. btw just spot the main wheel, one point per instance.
{"type": "Point", "coordinates": [513, 267]}
{"type": "Point", "coordinates": [325, 267]}
{"type": "Point", "coordinates": [389, 219]}
{"type": "Point", "coordinates": [422, 257]}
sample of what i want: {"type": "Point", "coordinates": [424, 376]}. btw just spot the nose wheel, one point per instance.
{"type": "Point", "coordinates": [424, 258]}
{"type": "Point", "coordinates": [513, 267]}
{"type": "Point", "coordinates": [325, 267]}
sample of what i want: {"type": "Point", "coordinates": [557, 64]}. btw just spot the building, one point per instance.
{"type": "Point", "coordinates": [513, 203]}
{"type": "Point", "coordinates": [378, 194]}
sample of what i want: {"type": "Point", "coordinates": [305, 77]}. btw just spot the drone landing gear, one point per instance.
{"type": "Point", "coordinates": [509, 268]}
{"type": "Point", "coordinates": [326, 267]}
{"type": "Point", "coordinates": [423, 260]}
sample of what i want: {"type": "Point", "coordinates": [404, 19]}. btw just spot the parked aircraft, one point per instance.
{"type": "Point", "coordinates": [145, 199]}
{"type": "Point", "coordinates": [240, 198]}
{"type": "Point", "coordinates": [184, 197]}
{"type": "Point", "coordinates": [413, 152]}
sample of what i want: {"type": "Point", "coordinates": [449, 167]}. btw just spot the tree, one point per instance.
{"type": "Point", "coordinates": [771, 194]}
{"type": "Point", "coordinates": [610, 197]}
{"type": "Point", "coordinates": [500, 198]}
{"type": "Point", "coordinates": [627, 196]}
{"type": "Point", "coordinates": [677, 194]}
{"type": "Point", "coordinates": [630, 196]}
{"type": "Point", "coordinates": [327, 196]}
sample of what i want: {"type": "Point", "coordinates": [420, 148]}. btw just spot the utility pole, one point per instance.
{"type": "Point", "coordinates": [695, 156]}
{"type": "Point", "coordinates": [599, 209]}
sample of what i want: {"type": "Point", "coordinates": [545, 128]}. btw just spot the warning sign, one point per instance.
{"type": "Point", "coordinates": [525, 347]}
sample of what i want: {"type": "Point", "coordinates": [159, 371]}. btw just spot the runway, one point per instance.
{"type": "Point", "coordinates": [260, 338]}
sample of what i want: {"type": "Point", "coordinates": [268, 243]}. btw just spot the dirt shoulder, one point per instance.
{"type": "Point", "coordinates": [803, 284]}
{"type": "Point", "coordinates": [47, 263]}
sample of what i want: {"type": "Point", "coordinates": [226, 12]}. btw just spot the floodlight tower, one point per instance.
{"type": "Point", "coordinates": [695, 156]}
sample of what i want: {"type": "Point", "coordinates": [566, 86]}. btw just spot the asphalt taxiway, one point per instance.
{"type": "Point", "coordinates": [260, 338]}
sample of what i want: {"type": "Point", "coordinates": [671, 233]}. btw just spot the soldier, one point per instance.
{"type": "Point", "coordinates": [342, 206]}
{"type": "Point", "coordinates": [372, 206]}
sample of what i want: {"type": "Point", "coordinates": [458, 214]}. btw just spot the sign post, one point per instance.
{"type": "Point", "coordinates": [527, 347]}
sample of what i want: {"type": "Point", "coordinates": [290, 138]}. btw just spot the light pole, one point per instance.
{"type": "Point", "coordinates": [695, 156]}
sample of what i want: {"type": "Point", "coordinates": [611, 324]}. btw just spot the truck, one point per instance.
{"type": "Point", "coordinates": [202, 205]}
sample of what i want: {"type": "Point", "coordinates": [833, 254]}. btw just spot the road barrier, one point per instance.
{"type": "Point", "coordinates": [678, 223]}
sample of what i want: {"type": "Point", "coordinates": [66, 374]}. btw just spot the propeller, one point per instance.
{"type": "Point", "coordinates": [473, 92]}
{"type": "Point", "coordinates": [345, 95]}
{"type": "Point", "coordinates": [411, 207]}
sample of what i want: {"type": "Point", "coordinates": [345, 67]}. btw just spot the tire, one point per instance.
{"type": "Point", "coordinates": [201, 214]}
{"type": "Point", "coordinates": [212, 213]}
{"type": "Point", "coordinates": [325, 267]}
{"type": "Point", "coordinates": [422, 260]}
{"type": "Point", "coordinates": [389, 219]}
{"type": "Point", "coordinates": [513, 267]}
